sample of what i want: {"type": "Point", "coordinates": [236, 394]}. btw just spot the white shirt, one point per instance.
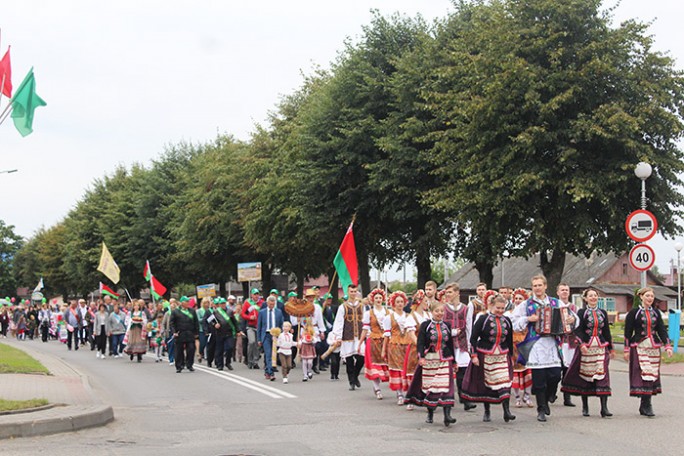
{"type": "Point", "coordinates": [349, 347]}
{"type": "Point", "coordinates": [400, 318]}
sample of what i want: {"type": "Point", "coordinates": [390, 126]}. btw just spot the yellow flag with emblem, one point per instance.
{"type": "Point", "coordinates": [108, 266]}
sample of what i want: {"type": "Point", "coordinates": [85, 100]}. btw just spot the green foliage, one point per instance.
{"type": "Point", "coordinates": [10, 245]}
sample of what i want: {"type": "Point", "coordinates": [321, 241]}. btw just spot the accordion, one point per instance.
{"type": "Point", "coordinates": [553, 321]}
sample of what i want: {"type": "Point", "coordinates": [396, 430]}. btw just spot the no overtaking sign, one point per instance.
{"type": "Point", "coordinates": [641, 225]}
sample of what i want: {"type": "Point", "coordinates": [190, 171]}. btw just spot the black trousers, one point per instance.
{"type": "Point", "coordinates": [44, 331]}
{"type": "Point", "coordinates": [185, 353]}
{"type": "Point", "coordinates": [459, 382]}
{"type": "Point", "coordinates": [72, 336]}
{"type": "Point", "coordinates": [334, 365]}
{"type": "Point", "coordinates": [211, 348]}
{"type": "Point", "coordinates": [546, 380]}
{"type": "Point", "coordinates": [354, 366]}
{"type": "Point", "coordinates": [224, 349]}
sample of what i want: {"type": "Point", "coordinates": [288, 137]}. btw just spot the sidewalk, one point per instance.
{"type": "Point", "coordinates": [75, 405]}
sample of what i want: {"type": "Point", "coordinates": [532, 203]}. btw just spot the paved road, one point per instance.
{"type": "Point", "coordinates": [207, 413]}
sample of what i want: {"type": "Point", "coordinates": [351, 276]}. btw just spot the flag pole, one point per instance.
{"type": "Point", "coordinates": [129, 295]}
{"type": "Point", "coordinates": [5, 113]}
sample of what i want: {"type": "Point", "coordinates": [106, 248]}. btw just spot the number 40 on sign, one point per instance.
{"type": "Point", "coordinates": [642, 257]}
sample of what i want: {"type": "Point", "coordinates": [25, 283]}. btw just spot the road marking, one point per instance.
{"type": "Point", "coordinates": [242, 381]}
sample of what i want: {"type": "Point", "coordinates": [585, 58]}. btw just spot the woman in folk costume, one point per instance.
{"type": "Point", "coordinates": [645, 334]}
{"type": "Point", "coordinates": [587, 374]}
{"type": "Point", "coordinates": [372, 332]}
{"type": "Point", "coordinates": [521, 387]}
{"type": "Point", "coordinates": [488, 377]}
{"type": "Point", "coordinates": [433, 383]}
{"type": "Point", "coordinates": [136, 324]}
{"type": "Point", "coordinates": [396, 341]}
{"type": "Point", "coordinates": [419, 314]}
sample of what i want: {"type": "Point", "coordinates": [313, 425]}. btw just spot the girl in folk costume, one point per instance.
{"type": "Point", "coordinates": [136, 331]}
{"type": "Point", "coordinates": [396, 341]}
{"type": "Point", "coordinates": [372, 332]}
{"type": "Point", "coordinates": [522, 377]}
{"type": "Point", "coordinates": [419, 314]}
{"type": "Point", "coordinates": [307, 350]}
{"type": "Point", "coordinates": [587, 374]}
{"type": "Point", "coordinates": [645, 334]}
{"type": "Point", "coordinates": [433, 383]}
{"type": "Point", "coordinates": [488, 378]}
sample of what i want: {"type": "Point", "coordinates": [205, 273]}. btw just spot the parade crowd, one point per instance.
{"type": "Point", "coordinates": [432, 350]}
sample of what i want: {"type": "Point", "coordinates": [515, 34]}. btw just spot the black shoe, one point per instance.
{"type": "Point", "coordinates": [541, 416]}
{"type": "Point", "coordinates": [220, 368]}
{"type": "Point", "coordinates": [552, 398]}
{"type": "Point", "coordinates": [316, 371]}
{"type": "Point", "coordinates": [131, 356]}
{"type": "Point", "coordinates": [448, 419]}
{"type": "Point", "coordinates": [604, 407]}
{"type": "Point", "coordinates": [430, 415]}
{"type": "Point", "coordinates": [322, 368]}
{"type": "Point", "coordinates": [507, 415]}
{"type": "Point", "coordinates": [191, 369]}
{"type": "Point", "coordinates": [294, 364]}
{"type": "Point", "coordinates": [542, 404]}
{"type": "Point", "coordinates": [352, 386]}
{"type": "Point", "coordinates": [229, 367]}
{"type": "Point", "coordinates": [487, 416]}
{"type": "Point", "coordinates": [77, 348]}
{"type": "Point", "coordinates": [357, 383]}
{"type": "Point", "coordinates": [567, 400]}
{"type": "Point", "coordinates": [646, 408]}
{"type": "Point", "coordinates": [585, 406]}
{"type": "Point", "coordinates": [178, 371]}
{"type": "Point", "coordinates": [468, 406]}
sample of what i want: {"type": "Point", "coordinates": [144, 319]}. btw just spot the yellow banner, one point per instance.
{"type": "Point", "coordinates": [108, 266]}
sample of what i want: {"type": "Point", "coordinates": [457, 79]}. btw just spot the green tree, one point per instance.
{"type": "Point", "coordinates": [543, 110]}
{"type": "Point", "coordinates": [10, 244]}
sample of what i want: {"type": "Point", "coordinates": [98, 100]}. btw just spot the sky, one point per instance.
{"type": "Point", "coordinates": [123, 80]}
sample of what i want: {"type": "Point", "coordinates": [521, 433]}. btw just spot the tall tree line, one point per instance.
{"type": "Point", "coordinates": [506, 127]}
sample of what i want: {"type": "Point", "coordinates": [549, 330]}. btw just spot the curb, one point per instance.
{"type": "Point", "coordinates": [68, 419]}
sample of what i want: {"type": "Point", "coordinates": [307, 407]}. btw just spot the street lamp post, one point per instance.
{"type": "Point", "coordinates": [643, 171]}
{"type": "Point", "coordinates": [9, 171]}
{"type": "Point", "coordinates": [678, 247]}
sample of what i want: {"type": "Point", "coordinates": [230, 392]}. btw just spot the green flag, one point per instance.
{"type": "Point", "coordinates": [24, 103]}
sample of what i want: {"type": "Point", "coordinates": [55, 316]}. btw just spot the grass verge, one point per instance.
{"type": "Point", "coordinates": [14, 361]}
{"type": "Point", "coordinates": [10, 406]}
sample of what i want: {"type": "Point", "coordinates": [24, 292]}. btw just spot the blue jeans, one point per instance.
{"type": "Point", "coordinates": [202, 344]}
{"type": "Point", "coordinates": [267, 344]}
{"type": "Point", "coordinates": [171, 349]}
{"type": "Point", "coordinates": [116, 344]}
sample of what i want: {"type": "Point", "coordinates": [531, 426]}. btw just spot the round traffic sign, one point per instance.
{"type": "Point", "coordinates": [641, 257]}
{"type": "Point", "coordinates": [641, 225]}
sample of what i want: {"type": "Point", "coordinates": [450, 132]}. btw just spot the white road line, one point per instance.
{"type": "Point", "coordinates": [246, 382]}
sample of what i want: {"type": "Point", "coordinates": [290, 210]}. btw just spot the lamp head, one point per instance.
{"type": "Point", "coordinates": [643, 170]}
{"type": "Point", "coordinates": [678, 246]}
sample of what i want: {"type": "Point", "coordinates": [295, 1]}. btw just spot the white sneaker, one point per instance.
{"type": "Point", "coordinates": [409, 407]}
{"type": "Point", "coordinates": [285, 380]}
{"type": "Point", "coordinates": [97, 355]}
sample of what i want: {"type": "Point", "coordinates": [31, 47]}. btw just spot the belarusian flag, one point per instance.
{"type": "Point", "coordinates": [105, 290]}
{"type": "Point", "coordinates": [345, 261]}
{"type": "Point", "coordinates": [156, 287]}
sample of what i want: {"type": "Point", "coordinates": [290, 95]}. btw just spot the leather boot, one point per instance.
{"type": "Point", "coordinates": [585, 406]}
{"type": "Point", "coordinates": [567, 400]}
{"type": "Point", "coordinates": [448, 419]}
{"type": "Point", "coordinates": [487, 417]}
{"type": "Point", "coordinates": [468, 406]}
{"type": "Point", "coordinates": [430, 415]}
{"type": "Point", "coordinates": [507, 415]}
{"type": "Point", "coordinates": [646, 408]}
{"type": "Point", "coordinates": [604, 407]}
{"type": "Point", "coordinates": [541, 406]}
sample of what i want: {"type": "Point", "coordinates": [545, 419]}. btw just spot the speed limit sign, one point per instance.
{"type": "Point", "coordinates": [641, 257]}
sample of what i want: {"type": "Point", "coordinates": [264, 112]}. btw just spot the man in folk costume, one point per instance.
{"type": "Point", "coordinates": [569, 341]}
{"type": "Point", "coordinates": [347, 332]}
{"type": "Point", "coordinates": [459, 317]}
{"type": "Point", "coordinates": [477, 303]}
{"type": "Point", "coordinates": [541, 352]}
{"type": "Point", "coordinates": [185, 329]}
{"type": "Point", "coordinates": [269, 318]}
{"type": "Point", "coordinates": [250, 314]}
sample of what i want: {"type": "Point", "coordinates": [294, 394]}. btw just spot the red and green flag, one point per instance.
{"type": "Point", "coordinates": [24, 103]}
{"type": "Point", "coordinates": [105, 290]}
{"type": "Point", "coordinates": [6, 75]}
{"type": "Point", "coordinates": [345, 262]}
{"type": "Point", "coordinates": [156, 287]}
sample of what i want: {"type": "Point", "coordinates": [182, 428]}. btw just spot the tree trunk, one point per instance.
{"type": "Point", "coordinates": [364, 269]}
{"type": "Point", "coordinates": [300, 283]}
{"type": "Point", "coordinates": [485, 271]}
{"type": "Point", "coordinates": [552, 269]}
{"type": "Point", "coordinates": [222, 287]}
{"type": "Point", "coordinates": [266, 279]}
{"type": "Point", "coordinates": [423, 268]}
